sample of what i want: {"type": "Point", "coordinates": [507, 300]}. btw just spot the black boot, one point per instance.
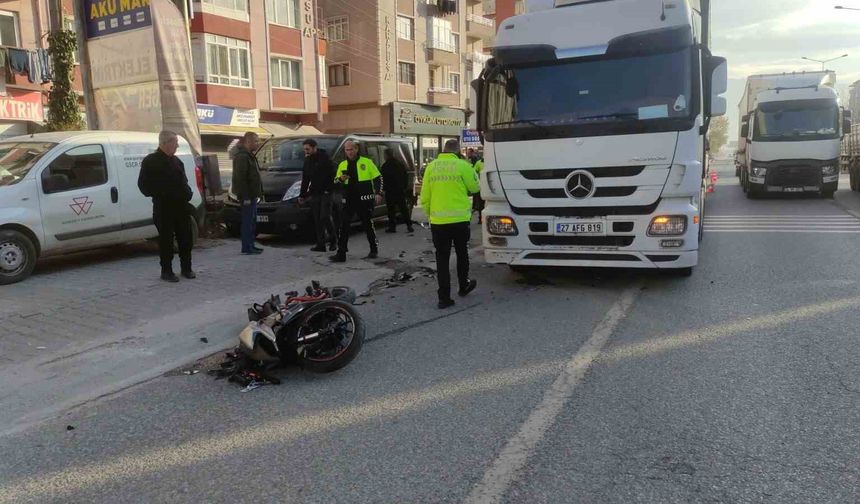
{"type": "Point", "coordinates": [169, 276]}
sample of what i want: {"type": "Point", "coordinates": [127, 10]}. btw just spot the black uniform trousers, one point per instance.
{"type": "Point", "coordinates": [323, 224]}
{"type": "Point", "coordinates": [173, 221]}
{"type": "Point", "coordinates": [364, 209]}
{"type": "Point", "coordinates": [444, 236]}
{"type": "Point", "coordinates": [393, 203]}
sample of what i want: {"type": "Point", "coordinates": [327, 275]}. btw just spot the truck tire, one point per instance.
{"type": "Point", "coordinates": [17, 256]}
{"type": "Point", "coordinates": [827, 194]}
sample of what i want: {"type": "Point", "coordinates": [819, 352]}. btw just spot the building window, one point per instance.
{"type": "Point", "coordinates": [337, 29]}
{"type": "Point", "coordinates": [441, 36]}
{"type": "Point", "coordinates": [454, 79]}
{"type": "Point", "coordinates": [283, 12]}
{"type": "Point", "coordinates": [9, 29]}
{"type": "Point", "coordinates": [338, 75]}
{"type": "Point", "coordinates": [228, 61]}
{"type": "Point", "coordinates": [236, 5]}
{"type": "Point", "coordinates": [519, 7]}
{"type": "Point", "coordinates": [405, 28]}
{"type": "Point", "coordinates": [406, 72]}
{"type": "Point", "coordinates": [286, 73]}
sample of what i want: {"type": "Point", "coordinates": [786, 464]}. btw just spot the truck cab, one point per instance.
{"type": "Point", "coordinates": [595, 115]}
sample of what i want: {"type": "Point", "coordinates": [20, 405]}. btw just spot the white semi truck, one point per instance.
{"type": "Point", "coordinates": [791, 128]}
{"type": "Point", "coordinates": [594, 115]}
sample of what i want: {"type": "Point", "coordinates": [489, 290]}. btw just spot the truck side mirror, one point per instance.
{"type": "Point", "coordinates": [476, 101]}
{"type": "Point", "coordinates": [719, 85]}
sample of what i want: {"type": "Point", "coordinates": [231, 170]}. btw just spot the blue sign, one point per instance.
{"type": "Point", "coordinates": [471, 137]}
{"type": "Point", "coordinates": [105, 17]}
{"type": "Point", "coordinates": [213, 114]}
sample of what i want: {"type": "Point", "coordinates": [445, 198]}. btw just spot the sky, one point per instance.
{"type": "Point", "coordinates": [771, 36]}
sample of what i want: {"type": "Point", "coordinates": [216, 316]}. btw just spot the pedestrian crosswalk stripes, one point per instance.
{"type": "Point", "coordinates": [821, 224]}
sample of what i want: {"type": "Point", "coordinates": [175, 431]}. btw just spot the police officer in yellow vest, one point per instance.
{"type": "Point", "coordinates": [445, 196]}
{"type": "Point", "coordinates": [362, 188]}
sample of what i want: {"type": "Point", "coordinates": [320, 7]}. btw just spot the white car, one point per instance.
{"type": "Point", "coordinates": [71, 191]}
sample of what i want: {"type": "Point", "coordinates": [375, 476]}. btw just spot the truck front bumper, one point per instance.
{"type": "Point", "coordinates": [626, 243]}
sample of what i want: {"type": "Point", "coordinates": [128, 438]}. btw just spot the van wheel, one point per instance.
{"type": "Point", "coordinates": [17, 256]}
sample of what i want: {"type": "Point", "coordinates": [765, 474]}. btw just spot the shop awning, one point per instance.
{"type": "Point", "coordinates": [284, 130]}
{"type": "Point", "coordinates": [219, 129]}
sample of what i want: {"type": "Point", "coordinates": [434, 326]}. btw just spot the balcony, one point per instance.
{"type": "Point", "coordinates": [442, 53]}
{"type": "Point", "coordinates": [478, 59]}
{"type": "Point", "coordinates": [479, 27]}
{"type": "Point", "coordinates": [443, 96]}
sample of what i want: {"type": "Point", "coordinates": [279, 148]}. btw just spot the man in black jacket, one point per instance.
{"type": "Point", "coordinates": [162, 178]}
{"type": "Point", "coordinates": [395, 181]}
{"type": "Point", "coordinates": [248, 187]}
{"type": "Point", "coordinates": [317, 183]}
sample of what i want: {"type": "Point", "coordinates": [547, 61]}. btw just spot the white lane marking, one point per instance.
{"type": "Point", "coordinates": [516, 452]}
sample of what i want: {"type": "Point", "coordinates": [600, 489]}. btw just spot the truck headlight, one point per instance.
{"type": "Point", "coordinates": [668, 225]}
{"type": "Point", "coordinates": [759, 171]}
{"type": "Point", "coordinates": [829, 170]}
{"type": "Point", "coordinates": [502, 226]}
{"type": "Point", "coordinates": [293, 192]}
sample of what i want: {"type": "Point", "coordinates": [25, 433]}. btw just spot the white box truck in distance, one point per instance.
{"type": "Point", "coordinates": [594, 116]}
{"type": "Point", "coordinates": [791, 130]}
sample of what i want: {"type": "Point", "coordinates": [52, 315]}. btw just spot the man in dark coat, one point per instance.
{"type": "Point", "coordinates": [317, 183]}
{"type": "Point", "coordinates": [162, 178]}
{"type": "Point", "coordinates": [395, 182]}
{"type": "Point", "coordinates": [248, 188]}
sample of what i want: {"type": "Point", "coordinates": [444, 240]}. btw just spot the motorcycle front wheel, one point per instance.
{"type": "Point", "coordinates": [329, 336]}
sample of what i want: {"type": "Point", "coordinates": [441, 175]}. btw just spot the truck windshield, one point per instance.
{"type": "Point", "coordinates": [18, 158]}
{"type": "Point", "coordinates": [288, 154]}
{"type": "Point", "coordinates": [796, 120]}
{"type": "Point", "coordinates": [639, 94]}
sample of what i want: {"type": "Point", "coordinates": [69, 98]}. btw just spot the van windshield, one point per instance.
{"type": "Point", "coordinates": [287, 154]}
{"type": "Point", "coordinates": [18, 158]}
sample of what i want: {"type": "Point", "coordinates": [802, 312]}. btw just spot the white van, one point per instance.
{"type": "Point", "coordinates": [77, 190]}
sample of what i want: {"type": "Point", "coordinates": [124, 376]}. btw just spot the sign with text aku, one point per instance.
{"type": "Point", "coordinates": [104, 17]}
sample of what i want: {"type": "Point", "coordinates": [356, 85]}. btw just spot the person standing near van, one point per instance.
{"type": "Point", "coordinates": [362, 184]}
{"type": "Point", "coordinates": [396, 182]}
{"type": "Point", "coordinates": [162, 178]}
{"type": "Point", "coordinates": [317, 182]}
{"type": "Point", "coordinates": [248, 187]}
{"type": "Point", "coordinates": [445, 196]}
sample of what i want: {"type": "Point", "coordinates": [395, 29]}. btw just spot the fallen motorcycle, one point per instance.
{"type": "Point", "coordinates": [318, 330]}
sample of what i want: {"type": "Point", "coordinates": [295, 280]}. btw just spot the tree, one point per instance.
{"type": "Point", "coordinates": [718, 133]}
{"type": "Point", "coordinates": [62, 101]}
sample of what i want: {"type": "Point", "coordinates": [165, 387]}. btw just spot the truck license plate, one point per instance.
{"type": "Point", "coordinates": [262, 218]}
{"type": "Point", "coordinates": [580, 228]}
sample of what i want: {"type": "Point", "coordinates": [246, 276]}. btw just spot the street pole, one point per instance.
{"type": "Point", "coordinates": [86, 82]}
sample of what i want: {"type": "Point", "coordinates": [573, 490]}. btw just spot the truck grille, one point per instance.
{"type": "Point", "coordinates": [601, 192]}
{"type": "Point", "coordinates": [794, 176]}
{"type": "Point", "coordinates": [583, 241]}
{"type": "Point", "coordinates": [601, 172]}
{"type": "Point", "coordinates": [594, 211]}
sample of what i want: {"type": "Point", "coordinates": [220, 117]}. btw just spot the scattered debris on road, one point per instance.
{"type": "Point", "coordinates": [204, 340]}
{"type": "Point", "coordinates": [70, 427]}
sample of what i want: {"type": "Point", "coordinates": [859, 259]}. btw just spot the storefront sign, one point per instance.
{"type": "Point", "coordinates": [387, 54]}
{"type": "Point", "coordinates": [223, 116]}
{"type": "Point", "coordinates": [112, 64]}
{"type": "Point", "coordinates": [426, 120]}
{"type": "Point", "coordinates": [22, 106]}
{"type": "Point", "coordinates": [114, 16]}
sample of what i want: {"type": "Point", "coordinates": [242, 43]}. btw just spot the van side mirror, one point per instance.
{"type": "Point", "coordinates": [719, 85]}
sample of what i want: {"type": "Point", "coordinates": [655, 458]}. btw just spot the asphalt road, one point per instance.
{"type": "Point", "coordinates": [738, 384]}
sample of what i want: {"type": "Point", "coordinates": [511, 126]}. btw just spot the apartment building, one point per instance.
{"type": "Point", "coordinates": [403, 67]}
{"type": "Point", "coordinates": [259, 66]}
{"type": "Point", "coordinates": [499, 10]}
{"type": "Point", "coordinates": [22, 103]}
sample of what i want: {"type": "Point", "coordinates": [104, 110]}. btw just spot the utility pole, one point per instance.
{"type": "Point", "coordinates": [84, 57]}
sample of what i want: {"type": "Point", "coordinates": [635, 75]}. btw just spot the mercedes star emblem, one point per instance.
{"type": "Point", "coordinates": [580, 185]}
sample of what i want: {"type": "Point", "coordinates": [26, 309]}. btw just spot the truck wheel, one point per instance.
{"type": "Point", "coordinates": [827, 194]}
{"type": "Point", "coordinates": [17, 256]}
{"type": "Point", "coordinates": [751, 193]}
